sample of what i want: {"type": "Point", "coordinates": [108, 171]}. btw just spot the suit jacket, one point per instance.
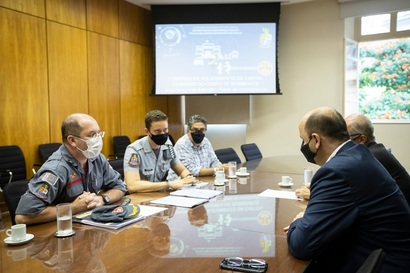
{"type": "Point", "coordinates": [355, 207]}
{"type": "Point", "coordinates": [393, 166]}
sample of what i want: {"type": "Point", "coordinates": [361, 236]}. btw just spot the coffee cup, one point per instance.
{"type": "Point", "coordinates": [243, 170]}
{"type": "Point", "coordinates": [286, 180]}
{"type": "Point", "coordinates": [17, 232]}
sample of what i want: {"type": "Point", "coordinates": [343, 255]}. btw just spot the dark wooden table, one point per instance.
{"type": "Point", "coordinates": [239, 223]}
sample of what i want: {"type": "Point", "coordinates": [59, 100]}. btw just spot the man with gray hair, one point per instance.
{"type": "Point", "coordinates": [361, 130]}
{"type": "Point", "coordinates": [194, 150]}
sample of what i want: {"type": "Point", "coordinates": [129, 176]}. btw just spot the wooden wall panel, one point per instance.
{"type": "Point", "coordinates": [67, 63]}
{"type": "Point", "coordinates": [70, 12]}
{"type": "Point", "coordinates": [102, 16]}
{"type": "Point", "coordinates": [133, 24]}
{"type": "Point", "coordinates": [133, 108]}
{"type": "Point", "coordinates": [104, 86]}
{"type": "Point", "coordinates": [33, 7]}
{"type": "Point", "coordinates": [24, 119]}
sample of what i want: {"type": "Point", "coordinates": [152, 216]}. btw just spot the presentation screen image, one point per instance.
{"type": "Point", "coordinates": [199, 59]}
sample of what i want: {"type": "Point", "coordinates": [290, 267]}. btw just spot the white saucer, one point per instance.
{"type": "Point", "coordinates": [242, 174]}
{"type": "Point", "coordinates": [232, 176]}
{"type": "Point", "coordinates": [9, 241]}
{"type": "Point", "coordinates": [64, 235]}
{"type": "Point", "coordinates": [285, 185]}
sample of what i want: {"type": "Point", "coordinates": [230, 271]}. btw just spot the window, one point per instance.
{"type": "Point", "coordinates": [379, 85]}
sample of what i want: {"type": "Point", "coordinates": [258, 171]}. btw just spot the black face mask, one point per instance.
{"type": "Point", "coordinates": [197, 136]}
{"type": "Point", "coordinates": [309, 155]}
{"type": "Point", "coordinates": [159, 139]}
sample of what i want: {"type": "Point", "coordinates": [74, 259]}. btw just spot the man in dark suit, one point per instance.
{"type": "Point", "coordinates": [355, 205]}
{"type": "Point", "coordinates": [361, 130]}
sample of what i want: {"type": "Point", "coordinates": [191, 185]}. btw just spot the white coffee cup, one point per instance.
{"type": "Point", "coordinates": [17, 232]}
{"type": "Point", "coordinates": [243, 170]}
{"type": "Point", "coordinates": [232, 169]}
{"type": "Point", "coordinates": [286, 180]}
{"type": "Point", "coordinates": [64, 219]}
{"type": "Point", "coordinates": [219, 176]}
{"type": "Point", "coordinates": [308, 174]}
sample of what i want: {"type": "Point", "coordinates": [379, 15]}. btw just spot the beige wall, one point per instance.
{"type": "Point", "coordinates": [311, 75]}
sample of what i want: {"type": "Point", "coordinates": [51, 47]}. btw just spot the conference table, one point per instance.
{"type": "Point", "coordinates": [238, 223]}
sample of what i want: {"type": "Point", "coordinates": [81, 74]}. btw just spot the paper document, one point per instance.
{"type": "Point", "coordinates": [279, 194]}
{"type": "Point", "coordinates": [196, 193]}
{"type": "Point", "coordinates": [180, 201]}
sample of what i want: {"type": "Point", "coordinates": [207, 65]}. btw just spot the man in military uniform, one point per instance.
{"type": "Point", "coordinates": [148, 159]}
{"type": "Point", "coordinates": [76, 173]}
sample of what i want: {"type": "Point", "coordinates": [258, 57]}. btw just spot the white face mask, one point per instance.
{"type": "Point", "coordinates": [94, 145]}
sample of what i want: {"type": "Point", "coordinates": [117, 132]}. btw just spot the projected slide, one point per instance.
{"type": "Point", "coordinates": [215, 58]}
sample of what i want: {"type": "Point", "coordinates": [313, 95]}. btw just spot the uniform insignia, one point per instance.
{"type": "Point", "coordinates": [50, 178]}
{"type": "Point", "coordinates": [134, 161]}
{"type": "Point", "coordinates": [42, 192]}
{"type": "Point", "coordinates": [73, 175]}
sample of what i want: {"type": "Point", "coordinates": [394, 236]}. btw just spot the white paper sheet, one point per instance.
{"type": "Point", "coordinates": [279, 194]}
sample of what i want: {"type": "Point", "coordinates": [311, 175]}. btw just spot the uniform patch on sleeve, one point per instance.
{"type": "Point", "coordinates": [42, 191]}
{"type": "Point", "coordinates": [50, 178]}
{"type": "Point", "coordinates": [134, 160]}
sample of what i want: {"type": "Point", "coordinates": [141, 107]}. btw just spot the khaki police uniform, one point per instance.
{"type": "Point", "coordinates": [62, 179]}
{"type": "Point", "coordinates": [139, 157]}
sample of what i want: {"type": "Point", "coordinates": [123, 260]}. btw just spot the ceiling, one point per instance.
{"type": "Point", "coordinates": [147, 3]}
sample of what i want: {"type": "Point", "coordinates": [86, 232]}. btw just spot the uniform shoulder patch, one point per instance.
{"type": "Point", "coordinates": [50, 178]}
{"type": "Point", "coordinates": [134, 160]}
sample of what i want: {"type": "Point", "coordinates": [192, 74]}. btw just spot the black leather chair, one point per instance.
{"type": "Point", "coordinates": [12, 193]}
{"type": "Point", "coordinates": [118, 165]}
{"type": "Point", "coordinates": [227, 154]}
{"type": "Point", "coordinates": [120, 144]}
{"type": "Point", "coordinates": [251, 151]}
{"type": "Point", "coordinates": [47, 149]}
{"type": "Point", "coordinates": [373, 263]}
{"type": "Point", "coordinates": [12, 165]}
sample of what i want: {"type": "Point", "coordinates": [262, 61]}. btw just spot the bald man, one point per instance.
{"type": "Point", "coordinates": [355, 205]}
{"type": "Point", "coordinates": [361, 130]}
{"type": "Point", "coordinates": [76, 173]}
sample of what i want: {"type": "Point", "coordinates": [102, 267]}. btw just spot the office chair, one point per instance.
{"type": "Point", "coordinates": [251, 151]}
{"type": "Point", "coordinates": [12, 165]}
{"type": "Point", "coordinates": [118, 165]}
{"type": "Point", "coordinates": [47, 149]}
{"type": "Point", "coordinates": [12, 193]}
{"type": "Point", "coordinates": [373, 263]}
{"type": "Point", "coordinates": [227, 154]}
{"type": "Point", "coordinates": [120, 144]}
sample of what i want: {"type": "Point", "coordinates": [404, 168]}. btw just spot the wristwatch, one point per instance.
{"type": "Point", "coordinates": [106, 199]}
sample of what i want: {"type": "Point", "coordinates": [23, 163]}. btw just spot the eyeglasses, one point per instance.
{"type": "Point", "coordinates": [195, 130]}
{"type": "Point", "coordinates": [238, 262]}
{"type": "Point", "coordinates": [354, 136]}
{"type": "Point", "coordinates": [95, 135]}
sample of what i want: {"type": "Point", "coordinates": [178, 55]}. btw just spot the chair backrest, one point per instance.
{"type": "Point", "coordinates": [118, 165]}
{"type": "Point", "coordinates": [12, 193]}
{"type": "Point", "coordinates": [47, 149]}
{"type": "Point", "coordinates": [120, 145]}
{"type": "Point", "coordinates": [227, 154]}
{"type": "Point", "coordinates": [373, 263]}
{"type": "Point", "coordinates": [11, 160]}
{"type": "Point", "coordinates": [251, 151]}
